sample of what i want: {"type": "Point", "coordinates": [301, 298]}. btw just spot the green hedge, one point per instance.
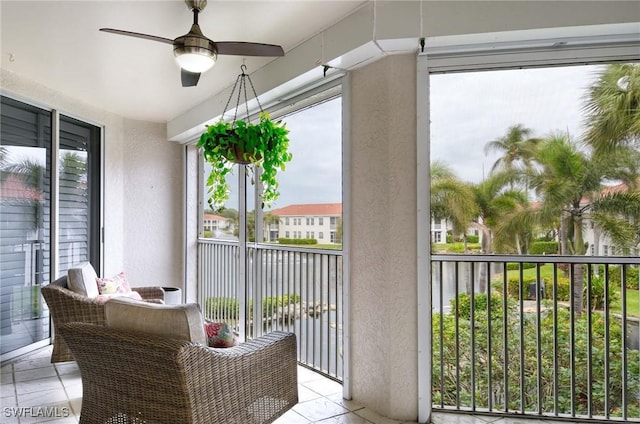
{"type": "Point", "coordinates": [543, 248]}
{"type": "Point", "coordinates": [228, 308]}
{"type": "Point", "coordinates": [513, 266]}
{"type": "Point", "coordinates": [283, 240]}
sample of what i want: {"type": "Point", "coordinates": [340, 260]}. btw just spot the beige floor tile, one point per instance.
{"type": "Point", "coordinates": [306, 375]}
{"type": "Point", "coordinates": [319, 409]}
{"type": "Point", "coordinates": [349, 404]}
{"type": "Point", "coordinates": [42, 397]}
{"type": "Point", "coordinates": [376, 418]}
{"type": "Point", "coordinates": [349, 418]}
{"type": "Point", "coordinates": [305, 394]}
{"type": "Point", "coordinates": [35, 374]}
{"type": "Point", "coordinates": [325, 387]}
{"type": "Point", "coordinates": [291, 417]}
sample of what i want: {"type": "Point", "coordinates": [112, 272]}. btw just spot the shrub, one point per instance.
{"type": "Point", "coordinates": [513, 266]}
{"type": "Point", "coordinates": [543, 248]}
{"type": "Point", "coordinates": [513, 286]}
{"type": "Point", "coordinates": [615, 275]}
{"type": "Point", "coordinates": [462, 370]}
{"type": "Point", "coordinates": [283, 240]}
{"type": "Point", "coordinates": [597, 293]}
{"type": "Point", "coordinates": [479, 304]}
{"type": "Point", "coordinates": [472, 238]}
{"type": "Point", "coordinates": [563, 289]}
{"type": "Point", "coordinates": [228, 308]}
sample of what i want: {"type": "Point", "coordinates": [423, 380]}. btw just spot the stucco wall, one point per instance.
{"type": "Point", "coordinates": [383, 237]}
{"type": "Point", "coordinates": [152, 205]}
{"type": "Point", "coordinates": [142, 186]}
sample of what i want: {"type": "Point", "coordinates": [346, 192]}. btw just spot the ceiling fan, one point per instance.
{"type": "Point", "coordinates": [196, 54]}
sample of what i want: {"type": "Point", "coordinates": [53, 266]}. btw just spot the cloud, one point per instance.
{"type": "Point", "coordinates": [472, 108]}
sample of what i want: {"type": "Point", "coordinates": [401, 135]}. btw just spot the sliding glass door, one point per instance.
{"type": "Point", "coordinates": [29, 152]}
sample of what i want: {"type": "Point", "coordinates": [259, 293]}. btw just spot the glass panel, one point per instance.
{"type": "Point", "coordinates": [77, 185]}
{"type": "Point", "coordinates": [25, 157]}
{"type": "Point", "coordinates": [311, 185]}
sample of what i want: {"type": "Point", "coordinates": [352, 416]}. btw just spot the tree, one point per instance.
{"type": "Point", "coordinates": [517, 148]}
{"type": "Point", "coordinates": [613, 109]}
{"type": "Point", "coordinates": [495, 200]}
{"type": "Point", "coordinates": [451, 199]}
{"type": "Point", "coordinates": [569, 182]}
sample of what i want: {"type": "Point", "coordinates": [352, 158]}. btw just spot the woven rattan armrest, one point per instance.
{"type": "Point", "coordinates": [150, 293]}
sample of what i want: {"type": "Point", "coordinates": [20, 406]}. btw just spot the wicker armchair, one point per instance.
{"type": "Point", "coordinates": [132, 376]}
{"type": "Point", "coordinates": [67, 306]}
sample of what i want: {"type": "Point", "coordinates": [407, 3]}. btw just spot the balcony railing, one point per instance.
{"type": "Point", "coordinates": [538, 336]}
{"type": "Point", "coordinates": [557, 337]}
{"type": "Point", "coordinates": [287, 288]}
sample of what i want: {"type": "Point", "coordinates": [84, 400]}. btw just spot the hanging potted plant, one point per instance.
{"type": "Point", "coordinates": [264, 144]}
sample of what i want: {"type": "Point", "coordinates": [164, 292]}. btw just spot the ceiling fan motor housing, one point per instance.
{"type": "Point", "coordinates": [195, 45]}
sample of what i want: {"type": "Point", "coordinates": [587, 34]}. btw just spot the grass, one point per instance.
{"type": "Point", "coordinates": [633, 304]}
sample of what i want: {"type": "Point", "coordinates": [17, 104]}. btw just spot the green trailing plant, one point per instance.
{"type": "Point", "coordinates": [264, 144]}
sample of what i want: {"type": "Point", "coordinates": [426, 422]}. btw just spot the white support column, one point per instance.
{"type": "Point", "coordinates": [242, 250]}
{"type": "Point", "coordinates": [423, 240]}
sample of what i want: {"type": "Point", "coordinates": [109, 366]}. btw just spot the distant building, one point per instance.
{"type": "Point", "coordinates": [318, 221]}
{"type": "Point", "coordinates": [216, 223]}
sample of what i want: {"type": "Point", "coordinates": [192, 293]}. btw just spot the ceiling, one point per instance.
{"type": "Point", "coordinates": [57, 44]}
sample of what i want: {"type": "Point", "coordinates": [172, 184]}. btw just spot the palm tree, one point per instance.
{"type": "Point", "coordinates": [568, 181]}
{"type": "Point", "coordinates": [613, 109]}
{"type": "Point", "coordinates": [451, 199]}
{"type": "Point", "coordinates": [516, 145]}
{"type": "Point", "coordinates": [496, 198]}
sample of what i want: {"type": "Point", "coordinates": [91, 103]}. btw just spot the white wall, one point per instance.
{"type": "Point", "coordinates": [142, 187]}
{"type": "Point", "coordinates": [383, 262]}
{"type": "Point", "coordinates": [153, 221]}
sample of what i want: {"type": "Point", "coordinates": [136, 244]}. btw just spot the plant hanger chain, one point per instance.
{"type": "Point", "coordinates": [242, 81]}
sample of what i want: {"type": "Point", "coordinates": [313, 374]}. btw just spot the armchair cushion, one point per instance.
{"type": "Point", "coordinates": [182, 322]}
{"type": "Point", "coordinates": [82, 280]}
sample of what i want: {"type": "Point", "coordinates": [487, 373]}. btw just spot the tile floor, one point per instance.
{"type": "Point", "coordinates": [32, 381]}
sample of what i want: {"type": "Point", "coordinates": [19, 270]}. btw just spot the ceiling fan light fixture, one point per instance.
{"type": "Point", "coordinates": [195, 59]}
{"type": "Point", "coordinates": [195, 52]}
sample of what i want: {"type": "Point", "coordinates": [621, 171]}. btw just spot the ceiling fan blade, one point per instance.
{"type": "Point", "coordinates": [189, 79]}
{"type": "Point", "coordinates": [241, 48]}
{"type": "Point", "coordinates": [137, 35]}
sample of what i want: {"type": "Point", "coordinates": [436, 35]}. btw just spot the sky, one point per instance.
{"type": "Point", "coordinates": [467, 110]}
{"type": "Point", "coordinates": [470, 109]}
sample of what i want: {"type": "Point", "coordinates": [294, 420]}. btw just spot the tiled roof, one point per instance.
{"type": "Point", "coordinates": [315, 209]}
{"type": "Point", "coordinates": [12, 188]}
{"type": "Point", "coordinates": [212, 217]}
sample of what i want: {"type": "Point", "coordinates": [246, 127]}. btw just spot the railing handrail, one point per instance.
{"type": "Point", "coordinates": [611, 260]}
{"type": "Point", "coordinates": [270, 246]}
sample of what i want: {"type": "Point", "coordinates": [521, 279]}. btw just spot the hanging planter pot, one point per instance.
{"type": "Point", "coordinates": [264, 144]}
